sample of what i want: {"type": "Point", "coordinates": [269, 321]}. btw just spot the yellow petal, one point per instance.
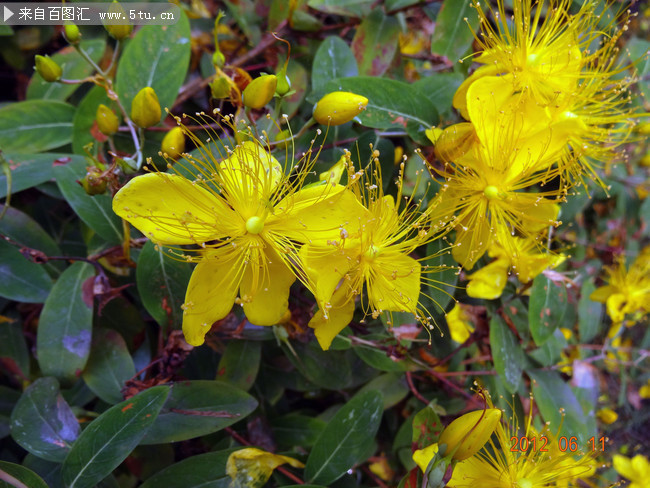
{"type": "Point", "coordinates": [489, 281]}
{"type": "Point", "coordinates": [616, 307]}
{"type": "Point", "coordinates": [250, 173]}
{"type": "Point", "coordinates": [211, 293]}
{"type": "Point", "coordinates": [460, 97]}
{"type": "Point", "coordinates": [170, 209]}
{"type": "Point", "coordinates": [266, 294]}
{"type": "Point", "coordinates": [394, 283]}
{"type": "Point", "coordinates": [251, 467]}
{"type": "Point", "coordinates": [472, 239]}
{"type": "Point", "coordinates": [339, 315]}
{"type": "Point", "coordinates": [325, 269]}
{"type": "Point", "coordinates": [423, 457]}
{"type": "Point", "coordinates": [459, 324]}
{"type": "Point", "coordinates": [601, 294]}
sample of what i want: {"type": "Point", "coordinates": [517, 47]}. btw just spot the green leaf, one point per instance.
{"type": "Point", "coordinates": [20, 279]}
{"type": "Point", "coordinates": [345, 440]}
{"type": "Point", "coordinates": [158, 56]}
{"type": "Point", "coordinates": [452, 36]}
{"type": "Point", "coordinates": [43, 423]}
{"type": "Point", "coordinates": [28, 170]}
{"type": "Point", "coordinates": [351, 8]}
{"type": "Point", "coordinates": [391, 104]}
{"type": "Point", "coordinates": [548, 303]}
{"type": "Point", "coordinates": [95, 211]}
{"type": "Point", "coordinates": [441, 285]}
{"type": "Point", "coordinates": [162, 282]}
{"type": "Point", "coordinates": [296, 430]}
{"type": "Point", "coordinates": [26, 476]}
{"type": "Point", "coordinates": [109, 365]}
{"type": "Point", "coordinates": [35, 126]}
{"type": "Point", "coordinates": [111, 437]}
{"type": "Point", "coordinates": [14, 355]}
{"type": "Point", "coordinates": [65, 324]}
{"type": "Point", "coordinates": [440, 90]}
{"type": "Point", "coordinates": [393, 388]}
{"type": "Point", "coordinates": [333, 59]}
{"type": "Point", "coordinates": [555, 398]}
{"type": "Point", "coordinates": [197, 408]}
{"type": "Point", "coordinates": [74, 67]}
{"type": "Point", "coordinates": [203, 471]}
{"type": "Point", "coordinates": [426, 426]}
{"type": "Point", "coordinates": [590, 313]}
{"type": "Point", "coordinates": [240, 363]}
{"type": "Point", "coordinates": [507, 354]}
{"type": "Point", "coordinates": [375, 43]}
{"type": "Point", "coordinates": [379, 360]}
{"type": "Point", "coordinates": [84, 118]}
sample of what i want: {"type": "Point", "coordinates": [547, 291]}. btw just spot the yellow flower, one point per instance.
{"type": "Point", "coordinates": [637, 469]}
{"type": "Point", "coordinates": [496, 466]}
{"type": "Point", "coordinates": [247, 216]}
{"type": "Point", "coordinates": [628, 291]}
{"type": "Point", "coordinates": [371, 259]}
{"type": "Point", "coordinates": [458, 321]}
{"type": "Point", "coordinates": [251, 467]}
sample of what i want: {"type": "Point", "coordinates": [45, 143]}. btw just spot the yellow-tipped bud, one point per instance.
{"type": "Point", "coordinates": [107, 121]}
{"type": "Point", "coordinates": [260, 91]}
{"type": "Point", "coordinates": [466, 435]}
{"type": "Point", "coordinates": [607, 416]}
{"type": "Point", "coordinates": [121, 31]}
{"type": "Point", "coordinates": [48, 68]}
{"type": "Point", "coordinates": [339, 107]}
{"type": "Point", "coordinates": [145, 108]}
{"type": "Point", "coordinates": [218, 59]}
{"type": "Point", "coordinates": [173, 144]}
{"type": "Point", "coordinates": [72, 33]}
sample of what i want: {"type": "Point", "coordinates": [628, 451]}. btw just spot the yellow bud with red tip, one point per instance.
{"type": "Point", "coordinates": [145, 108]}
{"type": "Point", "coordinates": [48, 68]}
{"type": "Point", "coordinates": [107, 121]}
{"type": "Point", "coordinates": [173, 144]}
{"type": "Point", "coordinates": [337, 108]}
{"type": "Point", "coordinates": [260, 91]}
{"type": "Point", "coordinates": [466, 435]}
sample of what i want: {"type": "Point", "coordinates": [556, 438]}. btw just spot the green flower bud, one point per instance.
{"type": "Point", "coordinates": [72, 33]}
{"type": "Point", "coordinates": [220, 88]}
{"type": "Point", "coordinates": [47, 68]}
{"type": "Point", "coordinates": [94, 182]}
{"type": "Point", "coordinates": [218, 59]}
{"type": "Point", "coordinates": [173, 144]}
{"type": "Point", "coordinates": [337, 108]}
{"type": "Point", "coordinates": [260, 91]}
{"type": "Point", "coordinates": [284, 83]}
{"type": "Point", "coordinates": [145, 108]}
{"type": "Point", "coordinates": [466, 435]}
{"type": "Point", "coordinates": [107, 121]}
{"type": "Point", "coordinates": [121, 31]}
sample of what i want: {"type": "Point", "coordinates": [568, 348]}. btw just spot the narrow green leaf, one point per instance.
{"type": "Point", "coordinates": [507, 354]}
{"type": "Point", "coordinates": [22, 474]}
{"type": "Point", "coordinates": [352, 8]}
{"type": "Point", "coordinates": [28, 170]}
{"type": "Point", "coordinates": [162, 282]}
{"type": "Point", "coordinates": [590, 313]}
{"type": "Point", "coordinates": [111, 437]}
{"type": "Point", "coordinates": [14, 355]}
{"type": "Point", "coordinates": [109, 365]}
{"type": "Point", "coordinates": [295, 429]}
{"type": "Point", "coordinates": [197, 408]}
{"type": "Point", "coordinates": [452, 36]}
{"type": "Point", "coordinates": [95, 211]}
{"type": "Point", "coordinates": [65, 324]}
{"type": "Point", "coordinates": [375, 43]}
{"type": "Point", "coordinates": [440, 90]}
{"type": "Point", "coordinates": [166, 50]}
{"type": "Point", "coordinates": [548, 303]}
{"type": "Point", "coordinates": [43, 423]}
{"type": "Point", "coordinates": [35, 126]}
{"type": "Point", "coordinates": [240, 363]}
{"type": "Point", "coordinates": [333, 59]}
{"type": "Point", "coordinates": [345, 440]}
{"type": "Point", "coordinates": [393, 388]}
{"type": "Point", "coordinates": [74, 67]}
{"type": "Point", "coordinates": [20, 279]}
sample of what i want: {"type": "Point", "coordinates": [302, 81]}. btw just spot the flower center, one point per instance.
{"type": "Point", "coordinates": [524, 483]}
{"type": "Point", "coordinates": [255, 225]}
{"type": "Point", "coordinates": [491, 192]}
{"type": "Point", "coordinates": [372, 252]}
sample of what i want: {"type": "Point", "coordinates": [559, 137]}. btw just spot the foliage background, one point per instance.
{"type": "Point", "coordinates": [81, 331]}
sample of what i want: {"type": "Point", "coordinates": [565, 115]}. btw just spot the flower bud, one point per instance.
{"type": "Point", "coordinates": [121, 31]}
{"type": "Point", "coordinates": [173, 144]}
{"type": "Point", "coordinates": [218, 59]}
{"type": "Point", "coordinates": [284, 83]}
{"type": "Point", "coordinates": [107, 121]}
{"type": "Point", "coordinates": [337, 108]}
{"type": "Point", "coordinates": [48, 68]}
{"type": "Point", "coordinates": [260, 91]}
{"type": "Point", "coordinates": [145, 108]}
{"type": "Point", "coordinates": [466, 435]}
{"type": "Point", "coordinates": [94, 182]}
{"type": "Point", "coordinates": [220, 88]}
{"type": "Point", "coordinates": [72, 33]}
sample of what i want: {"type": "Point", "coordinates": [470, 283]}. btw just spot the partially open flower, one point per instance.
{"type": "Point", "coordinates": [337, 108]}
{"type": "Point", "coordinates": [466, 435]}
